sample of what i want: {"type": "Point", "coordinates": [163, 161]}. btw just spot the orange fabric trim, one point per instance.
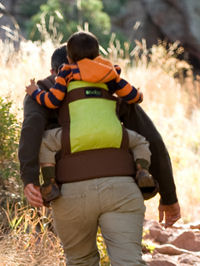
{"type": "Point", "coordinates": [134, 100]}
{"type": "Point", "coordinates": [76, 76]}
{"type": "Point", "coordinates": [66, 67]}
{"type": "Point", "coordinates": [74, 66]}
{"type": "Point", "coordinates": [61, 81]}
{"type": "Point", "coordinates": [58, 94]}
{"type": "Point", "coordinates": [48, 102]}
{"type": "Point", "coordinates": [125, 91]}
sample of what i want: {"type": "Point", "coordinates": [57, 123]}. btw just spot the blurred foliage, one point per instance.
{"type": "Point", "coordinates": [59, 19]}
{"type": "Point", "coordinates": [65, 18]}
{"type": "Point", "coordinates": [10, 182]}
{"type": "Point", "coordinates": [9, 135]}
{"type": "Point", "coordinates": [115, 8]}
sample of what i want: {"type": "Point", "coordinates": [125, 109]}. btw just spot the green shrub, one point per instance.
{"type": "Point", "coordinates": [9, 136]}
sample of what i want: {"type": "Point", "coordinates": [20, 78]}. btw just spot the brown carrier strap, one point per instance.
{"type": "Point", "coordinates": [94, 164]}
{"type": "Point", "coordinates": [88, 92]}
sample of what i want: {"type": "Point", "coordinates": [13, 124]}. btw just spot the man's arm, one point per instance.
{"type": "Point", "coordinates": [136, 119]}
{"type": "Point", "coordinates": [35, 120]}
{"type": "Point", "coordinates": [53, 97]}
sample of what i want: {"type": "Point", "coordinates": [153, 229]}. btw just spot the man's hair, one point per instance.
{"type": "Point", "coordinates": [82, 45]}
{"type": "Point", "coordinates": [59, 57]}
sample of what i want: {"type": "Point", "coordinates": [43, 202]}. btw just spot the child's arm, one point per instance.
{"type": "Point", "coordinates": [53, 98]}
{"type": "Point", "coordinates": [125, 91]}
{"type": "Point", "coordinates": [140, 149]}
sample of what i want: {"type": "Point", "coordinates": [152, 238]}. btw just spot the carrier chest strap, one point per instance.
{"type": "Point", "coordinates": [88, 92]}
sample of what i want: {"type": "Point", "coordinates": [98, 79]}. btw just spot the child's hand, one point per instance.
{"type": "Point", "coordinates": [32, 87]}
{"type": "Point", "coordinates": [141, 96]}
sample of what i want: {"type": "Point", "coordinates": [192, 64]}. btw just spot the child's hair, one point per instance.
{"type": "Point", "coordinates": [59, 57]}
{"type": "Point", "coordinates": [82, 45]}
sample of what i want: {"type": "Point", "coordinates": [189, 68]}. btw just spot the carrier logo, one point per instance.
{"type": "Point", "coordinates": [93, 92]}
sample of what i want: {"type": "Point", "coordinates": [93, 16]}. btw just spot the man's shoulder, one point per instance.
{"type": "Point", "coordinates": [46, 83]}
{"type": "Point", "coordinates": [31, 106]}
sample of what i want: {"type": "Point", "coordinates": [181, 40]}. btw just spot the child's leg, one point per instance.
{"type": "Point", "coordinates": [51, 144]}
{"type": "Point", "coordinates": [145, 181]}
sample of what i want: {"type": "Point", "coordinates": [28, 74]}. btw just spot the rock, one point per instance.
{"type": "Point", "coordinates": [170, 250]}
{"type": "Point", "coordinates": [184, 18]}
{"type": "Point", "coordinates": [187, 240]}
{"type": "Point", "coordinates": [162, 260]}
{"type": "Point", "coordinates": [154, 20]}
{"type": "Point", "coordinates": [182, 247]}
{"type": "Point", "coordinates": [189, 259]}
{"type": "Point", "coordinates": [195, 225]}
{"type": "Point", "coordinates": [154, 231]}
{"type": "Point", "coordinates": [158, 235]}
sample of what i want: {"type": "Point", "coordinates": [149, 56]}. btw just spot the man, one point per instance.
{"type": "Point", "coordinates": [41, 117]}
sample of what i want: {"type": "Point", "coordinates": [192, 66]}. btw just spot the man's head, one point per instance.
{"type": "Point", "coordinates": [82, 45]}
{"type": "Point", "coordinates": [58, 58]}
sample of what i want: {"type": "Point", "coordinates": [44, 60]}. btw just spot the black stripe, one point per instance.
{"type": "Point", "coordinates": [54, 100]}
{"type": "Point", "coordinates": [75, 70]}
{"type": "Point", "coordinates": [42, 99]}
{"type": "Point", "coordinates": [64, 73]}
{"type": "Point", "coordinates": [60, 87]}
{"type": "Point", "coordinates": [122, 84]}
{"type": "Point", "coordinates": [130, 96]}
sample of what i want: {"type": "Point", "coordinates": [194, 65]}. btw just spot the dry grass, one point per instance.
{"type": "Point", "coordinates": [173, 105]}
{"type": "Point", "coordinates": [30, 240]}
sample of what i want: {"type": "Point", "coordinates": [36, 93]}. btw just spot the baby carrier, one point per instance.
{"type": "Point", "coordinates": [94, 142]}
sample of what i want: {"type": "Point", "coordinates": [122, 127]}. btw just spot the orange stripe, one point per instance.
{"type": "Point", "coordinates": [61, 81]}
{"type": "Point", "coordinates": [48, 102]}
{"type": "Point", "coordinates": [125, 91]}
{"type": "Point", "coordinates": [77, 76]}
{"type": "Point", "coordinates": [134, 100]}
{"type": "Point", "coordinates": [117, 67]}
{"type": "Point", "coordinates": [58, 94]}
{"type": "Point", "coordinates": [69, 78]}
{"type": "Point", "coordinates": [65, 67]}
{"type": "Point", "coordinates": [73, 66]}
{"type": "Point", "coordinates": [38, 98]}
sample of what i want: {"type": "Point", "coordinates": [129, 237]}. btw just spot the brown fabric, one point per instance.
{"type": "Point", "coordinates": [125, 141]}
{"type": "Point", "coordinates": [64, 121]}
{"type": "Point", "coordinates": [94, 164]}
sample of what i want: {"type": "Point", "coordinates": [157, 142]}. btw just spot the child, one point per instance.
{"type": "Point", "coordinates": [85, 65]}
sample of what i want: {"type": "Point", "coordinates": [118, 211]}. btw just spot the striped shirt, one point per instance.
{"type": "Point", "coordinates": [99, 70]}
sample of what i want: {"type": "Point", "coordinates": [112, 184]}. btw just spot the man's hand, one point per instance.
{"type": "Point", "coordinates": [32, 87]}
{"type": "Point", "coordinates": [33, 195]}
{"type": "Point", "coordinates": [170, 213]}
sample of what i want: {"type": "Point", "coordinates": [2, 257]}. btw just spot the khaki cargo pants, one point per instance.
{"type": "Point", "coordinates": [114, 204]}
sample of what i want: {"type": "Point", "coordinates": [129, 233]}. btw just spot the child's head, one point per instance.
{"type": "Point", "coordinates": [82, 45]}
{"type": "Point", "coordinates": [58, 58]}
